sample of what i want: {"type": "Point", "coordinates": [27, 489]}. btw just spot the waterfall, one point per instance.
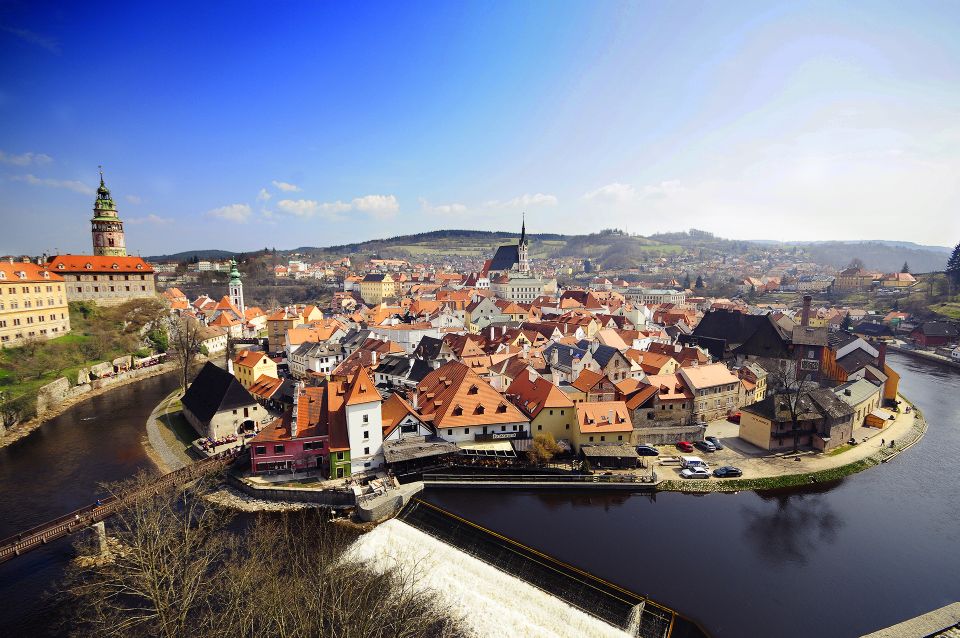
{"type": "Point", "coordinates": [633, 623]}
{"type": "Point", "coordinates": [491, 603]}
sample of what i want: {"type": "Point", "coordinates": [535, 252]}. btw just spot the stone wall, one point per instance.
{"type": "Point", "coordinates": [52, 394]}
{"type": "Point", "coordinates": [668, 435]}
{"type": "Point", "coordinates": [330, 498]}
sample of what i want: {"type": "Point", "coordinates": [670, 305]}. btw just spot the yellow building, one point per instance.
{"type": "Point", "coordinates": [33, 303]}
{"type": "Point", "coordinates": [602, 422]}
{"type": "Point", "coordinates": [250, 365]}
{"type": "Point", "coordinates": [550, 410]}
{"type": "Point", "coordinates": [277, 325]}
{"type": "Point", "coordinates": [376, 287]}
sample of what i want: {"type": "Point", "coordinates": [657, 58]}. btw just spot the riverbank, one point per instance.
{"type": "Point", "coordinates": [19, 431]}
{"type": "Point", "coordinates": [924, 356]}
{"type": "Point", "coordinates": [822, 468]}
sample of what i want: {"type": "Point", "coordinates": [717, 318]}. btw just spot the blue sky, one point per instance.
{"type": "Point", "coordinates": [244, 125]}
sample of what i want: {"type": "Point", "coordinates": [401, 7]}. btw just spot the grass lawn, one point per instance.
{"type": "Point", "coordinates": [949, 309]}
{"type": "Point", "coordinates": [177, 432]}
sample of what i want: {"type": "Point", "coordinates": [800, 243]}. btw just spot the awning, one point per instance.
{"type": "Point", "coordinates": [488, 448]}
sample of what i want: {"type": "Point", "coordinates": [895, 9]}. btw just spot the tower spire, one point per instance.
{"type": "Point", "coordinates": [100, 167]}
{"type": "Point", "coordinates": [523, 227]}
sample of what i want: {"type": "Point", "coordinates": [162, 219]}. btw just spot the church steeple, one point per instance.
{"type": "Point", "coordinates": [107, 229]}
{"type": "Point", "coordinates": [523, 258]}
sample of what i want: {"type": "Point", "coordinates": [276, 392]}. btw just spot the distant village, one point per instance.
{"type": "Point", "coordinates": [411, 365]}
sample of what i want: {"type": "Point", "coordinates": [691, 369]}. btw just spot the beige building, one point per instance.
{"type": "Point", "coordinates": [716, 390]}
{"type": "Point", "coordinates": [33, 303]}
{"type": "Point", "coordinates": [606, 422]}
{"type": "Point", "coordinates": [549, 409]}
{"type": "Point", "coordinates": [104, 280]}
{"type": "Point", "coordinates": [376, 287]}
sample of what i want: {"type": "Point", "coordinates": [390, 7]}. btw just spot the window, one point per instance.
{"type": "Point", "coordinates": [539, 427]}
{"type": "Point", "coordinates": [278, 448]}
{"type": "Point", "coordinates": [591, 439]}
{"type": "Point", "coordinates": [466, 430]}
{"type": "Point", "coordinates": [260, 449]}
{"type": "Point", "coordinates": [449, 432]}
{"type": "Point", "coordinates": [340, 456]}
{"type": "Point", "coordinates": [366, 451]}
{"type": "Point", "coordinates": [366, 434]}
{"type": "Point", "coordinates": [366, 418]}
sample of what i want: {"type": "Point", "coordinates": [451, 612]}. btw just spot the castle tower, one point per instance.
{"type": "Point", "coordinates": [236, 287]}
{"type": "Point", "coordinates": [107, 228]}
{"type": "Point", "coordinates": [523, 258]}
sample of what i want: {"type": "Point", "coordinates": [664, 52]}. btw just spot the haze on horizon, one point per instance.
{"type": "Point", "coordinates": [248, 125]}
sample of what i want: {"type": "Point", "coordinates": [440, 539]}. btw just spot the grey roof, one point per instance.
{"type": "Point", "coordinates": [603, 354]}
{"type": "Point", "coordinates": [416, 447]}
{"type": "Point", "coordinates": [600, 450]}
{"type": "Point", "coordinates": [374, 277]}
{"type": "Point", "coordinates": [859, 391]}
{"type": "Point", "coordinates": [565, 355]}
{"type": "Point", "coordinates": [853, 361]}
{"type": "Point", "coordinates": [872, 329]}
{"type": "Point", "coordinates": [355, 337]}
{"type": "Point", "coordinates": [319, 349]}
{"type": "Point", "coordinates": [214, 390]}
{"type": "Point", "coordinates": [841, 338]}
{"type": "Point", "coordinates": [807, 336]}
{"type": "Point", "coordinates": [815, 403]}
{"type": "Point", "coordinates": [428, 348]}
{"type": "Point", "coordinates": [399, 365]}
{"type": "Point", "coordinates": [505, 258]}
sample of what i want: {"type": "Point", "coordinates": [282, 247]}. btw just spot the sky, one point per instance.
{"type": "Point", "coordinates": [246, 125]}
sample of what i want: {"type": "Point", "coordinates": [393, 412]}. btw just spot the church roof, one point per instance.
{"type": "Point", "coordinates": [505, 258]}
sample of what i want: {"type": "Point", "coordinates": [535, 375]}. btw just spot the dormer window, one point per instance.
{"type": "Point", "coordinates": [139, 266]}
{"type": "Point", "coordinates": [46, 275]}
{"type": "Point", "coordinates": [115, 267]}
{"type": "Point", "coordinates": [3, 275]}
{"type": "Point", "coordinates": [457, 411]}
{"type": "Point", "coordinates": [60, 266]}
{"type": "Point", "coordinates": [88, 266]}
{"type": "Point", "coordinates": [502, 408]}
{"type": "Point", "coordinates": [480, 409]}
{"type": "Point", "coordinates": [22, 275]}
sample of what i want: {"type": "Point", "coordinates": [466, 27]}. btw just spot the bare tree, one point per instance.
{"type": "Point", "coordinates": [163, 573]}
{"type": "Point", "coordinates": [178, 570]}
{"type": "Point", "coordinates": [791, 394]}
{"type": "Point", "coordinates": [185, 345]}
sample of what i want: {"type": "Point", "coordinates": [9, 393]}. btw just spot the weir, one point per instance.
{"type": "Point", "coordinates": [632, 613]}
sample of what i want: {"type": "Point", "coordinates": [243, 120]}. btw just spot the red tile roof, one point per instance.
{"type": "Point", "coordinates": [98, 264]}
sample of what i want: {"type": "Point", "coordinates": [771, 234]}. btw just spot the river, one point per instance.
{"type": "Point", "coordinates": [843, 560]}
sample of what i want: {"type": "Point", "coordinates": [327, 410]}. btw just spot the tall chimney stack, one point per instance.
{"type": "Point", "coordinates": [805, 317]}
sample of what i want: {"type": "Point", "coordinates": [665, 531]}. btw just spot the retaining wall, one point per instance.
{"type": "Point", "coordinates": [331, 498]}
{"type": "Point", "coordinates": [668, 435]}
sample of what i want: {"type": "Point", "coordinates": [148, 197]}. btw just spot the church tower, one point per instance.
{"type": "Point", "coordinates": [523, 258]}
{"type": "Point", "coordinates": [236, 288]}
{"type": "Point", "coordinates": [106, 225]}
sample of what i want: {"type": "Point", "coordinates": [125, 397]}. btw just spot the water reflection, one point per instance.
{"type": "Point", "coordinates": [791, 531]}
{"type": "Point", "coordinates": [577, 500]}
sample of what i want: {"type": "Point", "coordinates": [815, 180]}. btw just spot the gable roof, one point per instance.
{"type": "Point", "coordinates": [453, 395]}
{"type": "Point", "coordinates": [214, 390]}
{"type": "Point", "coordinates": [532, 396]}
{"type": "Point", "coordinates": [99, 264]}
{"type": "Point", "coordinates": [505, 258]}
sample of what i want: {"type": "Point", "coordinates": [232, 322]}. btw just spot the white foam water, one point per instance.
{"type": "Point", "coordinates": [491, 603]}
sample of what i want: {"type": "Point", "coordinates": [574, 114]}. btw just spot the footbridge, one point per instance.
{"type": "Point", "coordinates": [80, 519]}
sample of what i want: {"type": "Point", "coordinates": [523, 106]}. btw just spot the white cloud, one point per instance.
{"type": "Point", "coordinates": [378, 206]}
{"type": "Point", "coordinates": [238, 213]}
{"type": "Point", "coordinates": [286, 187]}
{"type": "Point", "coordinates": [442, 209]}
{"type": "Point", "coordinates": [133, 199]}
{"type": "Point", "coordinates": [263, 195]}
{"type": "Point", "coordinates": [526, 200]}
{"type": "Point", "coordinates": [69, 184]}
{"type": "Point", "coordinates": [155, 220]}
{"type": "Point", "coordinates": [307, 208]}
{"type": "Point", "coordinates": [615, 192]}
{"type": "Point", "coordinates": [25, 159]}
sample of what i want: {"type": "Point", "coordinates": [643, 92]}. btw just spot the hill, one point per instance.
{"type": "Point", "coordinates": [188, 255]}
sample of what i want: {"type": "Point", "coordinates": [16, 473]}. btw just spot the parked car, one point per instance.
{"type": "Point", "coordinates": [734, 418]}
{"type": "Point", "coordinates": [685, 446]}
{"type": "Point", "coordinates": [727, 471]}
{"type": "Point", "coordinates": [716, 442]}
{"type": "Point", "coordinates": [647, 450]}
{"type": "Point", "coordinates": [706, 446]}
{"type": "Point", "coordinates": [694, 473]}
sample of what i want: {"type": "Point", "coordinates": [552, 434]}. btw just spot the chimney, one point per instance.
{"type": "Point", "coordinates": [610, 416]}
{"type": "Point", "coordinates": [882, 356]}
{"type": "Point", "coordinates": [293, 415]}
{"type": "Point", "coordinates": [532, 375]}
{"type": "Point", "coordinates": [805, 317]}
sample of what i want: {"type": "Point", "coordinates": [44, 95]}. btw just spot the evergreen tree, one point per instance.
{"type": "Point", "coordinates": [906, 267]}
{"type": "Point", "coordinates": [699, 283]}
{"type": "Point", "coordinates": [846, 323]}
{"type": "Point", "coordinates": [953, 266]}
{"type": "Point", "coordinates": [686, 282]}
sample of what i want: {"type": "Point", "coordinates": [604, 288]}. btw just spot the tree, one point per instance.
{"type": "Point", "coordinates": [686, 282]}
{"type": "Point", "coordinates": [180, 569]}
{"type": "Point", "coordinates": [953, 266]}
{"type": "Point", "coordinates": [185, 345]}
{"type": "Point", "coordinates": [699, 284]}
{"type": "Point", "coordinates": [791, 394]}
{"type": "Point", "coordinates": [543, 449]}
{"type": "Point", "coordinates": [752, 295]}
{"type": "Point", "coordinates": [856, 262]}
{"type": "Point", "coordinates": [845, 326]}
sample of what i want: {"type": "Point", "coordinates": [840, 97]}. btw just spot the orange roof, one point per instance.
{"type": "Point", "coordinates": [707, 376]}
{"type": "Point", "coordinates": [453, 395]}
{"type": "Point", "coordinates": [31, 272]}
{"type": "Point", "coordinates": [265, 386]}
{"type": "Point", "coordinates": [603, 416]}
{"type": "Point", "coordinates": [394, 410]}
{"type": "Point", "coordinates": [224, 320]}
{"type": "Point", "coordinates": [671, 387]}
{"type": "Point", "coordinates": [311, 420]}
{"type": "Point", "coordinates": [361, 389]}
{"type": "Point", "coordinates": [98, 264]}
{"type": "Point", "coordinates": [249, 358]}
{"type": "Point", "coordinates": [587, 379]}
{"type": "Point", "coordinates": [533, 396]}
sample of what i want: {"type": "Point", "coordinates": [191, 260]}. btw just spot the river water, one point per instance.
{"type": "Point", "coordinates": [843, 560]}
{"type": "Point", "coordinates": [57, 469]}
